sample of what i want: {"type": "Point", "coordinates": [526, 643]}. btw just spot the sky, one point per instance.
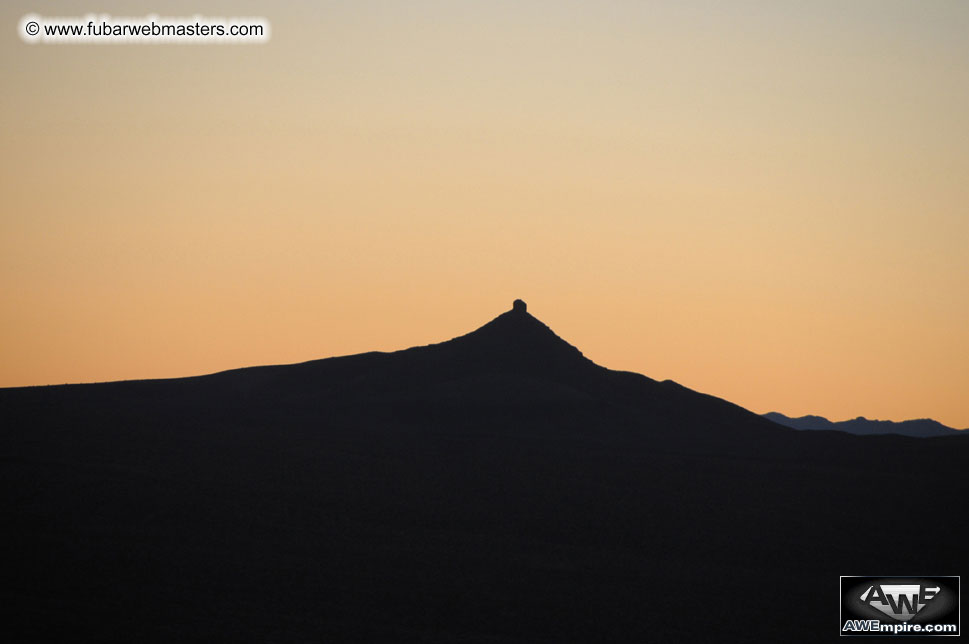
{"type": "Point", "coordinates": [764, 201]}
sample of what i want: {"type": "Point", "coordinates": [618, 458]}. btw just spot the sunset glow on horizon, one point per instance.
{"type": "Point", "coordinates": [763, 201]}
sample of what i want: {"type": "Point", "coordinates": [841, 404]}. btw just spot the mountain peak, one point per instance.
{"type": "Point", "coordinates": [517, 338]}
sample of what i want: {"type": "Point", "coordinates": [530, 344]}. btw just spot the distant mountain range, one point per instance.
{"type": "Point", "coordinates": [920, 428]}
{"type": "Point", "coordinates": [499, 487]}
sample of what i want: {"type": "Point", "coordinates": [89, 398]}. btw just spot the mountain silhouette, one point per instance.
{"type": "Point", "coordinates": [497, 487]}
{"type": "Point", "coordinates": [920, 428]}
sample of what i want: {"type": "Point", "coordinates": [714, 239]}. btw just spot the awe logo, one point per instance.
{"type": "Point", "coordinates": [899, 601]}
{"type": "Point", "coordinates": [921, 606]}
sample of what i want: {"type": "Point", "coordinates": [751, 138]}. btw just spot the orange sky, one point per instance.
{"type": "Point", "coordinates": [764, 201]}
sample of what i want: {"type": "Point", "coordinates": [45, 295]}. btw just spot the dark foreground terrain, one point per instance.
{"type": "Point", "coordinates": [495, 488]}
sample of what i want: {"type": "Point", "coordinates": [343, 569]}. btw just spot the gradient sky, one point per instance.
{"type": "Point", "coordinates": [766, 201]}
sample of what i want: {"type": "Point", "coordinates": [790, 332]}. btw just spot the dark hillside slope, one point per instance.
{"type": "Point", "coordinates": [498, 487]}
